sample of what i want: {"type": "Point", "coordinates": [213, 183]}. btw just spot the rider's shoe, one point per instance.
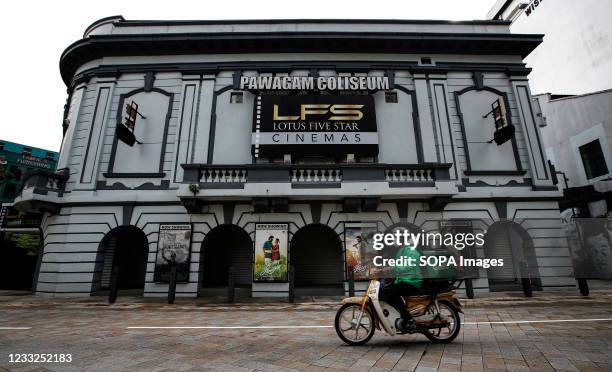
{"type": "Point", "coordinates": [407, 325]}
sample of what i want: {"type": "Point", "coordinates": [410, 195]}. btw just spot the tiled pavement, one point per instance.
{"type": "Point", "coordinates": [98, 339]}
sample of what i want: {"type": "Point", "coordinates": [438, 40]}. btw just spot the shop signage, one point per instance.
{"type": "Point", "coordinates": [173, 248]}
{"type": "Point", "coordinates": [531, 7]}
{"type": "Point", "coordinates": [11, 218]}
{"type": "Point", "coordinates": [328, 125]}
{"type": "Point", "coordinates": [270, 252]}
{"type": "Point", "coordinates": [33, 161]}
{"type": "Point", "coordinates": [328, 83]}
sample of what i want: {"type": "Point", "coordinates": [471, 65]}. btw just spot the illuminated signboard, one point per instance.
{"type": "Point", "coordinates": [329, 125]}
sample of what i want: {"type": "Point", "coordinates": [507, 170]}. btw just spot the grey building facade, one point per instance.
{"type": "Point", "coordinates": [208, 159]}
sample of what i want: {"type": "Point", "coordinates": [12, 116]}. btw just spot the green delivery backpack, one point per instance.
{"type": "Point", "coordinates": [442, 268]}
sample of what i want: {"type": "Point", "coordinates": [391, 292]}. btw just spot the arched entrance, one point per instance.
{"type": "Point", "coordinates": [223, 247]}
{"type": "Point", "coordinates": [127, 248]}
{"type": "Point", "coordinates": [509, 241]}
{"type": "Point", "coordinates": [315, 253]}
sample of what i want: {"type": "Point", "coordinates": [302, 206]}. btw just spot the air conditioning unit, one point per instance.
{"type": "Point", "coordinates": [540, 118]}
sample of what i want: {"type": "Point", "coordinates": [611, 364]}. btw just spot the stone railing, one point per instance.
{"type": "Point", "coordinates": [409, 175]}
{"type": "Point", "coordinates": [40, 190]}
{"type": "Point", "coordinates": [399, 175]}
{"type": "Point", "coordinates": [315, 175]}
{"type": "Point", "coordinates": [224, 175]}
{"type": "Point", "coordinates": [43, 181]}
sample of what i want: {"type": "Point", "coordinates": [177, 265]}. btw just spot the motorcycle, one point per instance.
{"type": "Point", "coordinates": [435, 313]}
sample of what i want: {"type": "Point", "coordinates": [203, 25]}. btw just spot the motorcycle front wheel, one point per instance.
{"type": "Point", "coordinates": [347, 328]}
{"type": "Point", "coordinates": [446, 334]}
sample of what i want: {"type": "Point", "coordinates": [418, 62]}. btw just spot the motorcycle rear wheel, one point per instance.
{"type": "Point", "coordinates": [346, 320]}
{"type": "Point", "coordinates": [450, 313]}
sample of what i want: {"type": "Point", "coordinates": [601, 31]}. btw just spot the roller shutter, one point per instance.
{"type": "Point", "coordinates": [316, 255]}
{"type": "Point", "coordinates": [498, 247]}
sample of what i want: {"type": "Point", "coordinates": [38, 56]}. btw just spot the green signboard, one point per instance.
{"type": "Point", "coordinates": [15, 161]}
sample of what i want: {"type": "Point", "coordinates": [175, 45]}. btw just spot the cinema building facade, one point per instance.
{"type": "Point", "coordinates": [197, 141]}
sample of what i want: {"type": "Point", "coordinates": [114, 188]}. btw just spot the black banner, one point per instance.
{"type": "Point", "coordinates": [12, 218]}
{"type": "Point", "coordinates": [328, 125]}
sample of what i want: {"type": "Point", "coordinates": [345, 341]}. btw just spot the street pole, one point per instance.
{"type": "Point", "coordinates": [114, 285]}
{"type": "Point", "coordinates": [231, 286]}
{"type": "Point", "coordinates": [172, 284]}
{"type": "Point", "coordinates": [351, 281]}
{"type": "Point", "coordinates": [291, 284]}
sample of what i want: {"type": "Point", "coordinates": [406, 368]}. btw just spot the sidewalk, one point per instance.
{"type": "Point", "coordinates": [10, 300]}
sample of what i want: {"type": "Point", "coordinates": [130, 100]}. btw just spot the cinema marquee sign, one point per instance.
{"type": "Point", "coordinates": [309, 83]}
{"type": "Point", "coordinates": [314, 125]}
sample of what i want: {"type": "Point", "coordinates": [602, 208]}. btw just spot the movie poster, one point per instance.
{"type": "Point", "coordinates": [358, 247]}
{"type": "Point", "coordinates": [271, 240]}
{"type": "Point", "coordinates": [173, 248]}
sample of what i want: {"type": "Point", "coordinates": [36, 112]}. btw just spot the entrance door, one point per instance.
{"type": "Point", "coordinates": [223, 247]}
{"type": "Point", "coordinates": [127, 248]}
{"type": "Point", "coordinates": [316, 255]}
{"type": "Point", "coordinates": [20, 253]}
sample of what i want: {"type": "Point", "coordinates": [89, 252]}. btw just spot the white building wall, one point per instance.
{"type": "Point", "coordinates": [572, 122]}
{"type": "Point", "coordinates": [576, 55]}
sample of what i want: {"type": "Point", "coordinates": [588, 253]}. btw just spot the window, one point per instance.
{"type": "Point", "coordinates": [10, 191]}
{"type": "Point", "coordinates": [391, 97]}
{"type": "Point", "coordinates": [593, 159]}
{"type": "Point", "coordinates": [14, 173]}
{"type": "Point", "coordinates": [26, 151]}
{"type": "Point", "coordinates": [236, 97]}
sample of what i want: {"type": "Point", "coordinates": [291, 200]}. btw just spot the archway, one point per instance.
{"type": "Point", "coordinates": [127, 248]}
{"type": "Point", "coordinates": [509, 241]}
{"type": "Point", "coordinates": [316, 256]}
{"type": "Point", "coordinates": [223, 247]}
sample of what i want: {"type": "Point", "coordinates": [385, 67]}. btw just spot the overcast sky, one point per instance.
{"type": "Point", "coordinates": [33, 35]}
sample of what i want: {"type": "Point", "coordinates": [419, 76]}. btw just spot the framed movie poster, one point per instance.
{"type": "Point", "coordinates": [173, 248]}
{"type": "Point", "coordinates": [358, 248]}
{"type": "Point", "coordinates": [271, 241]}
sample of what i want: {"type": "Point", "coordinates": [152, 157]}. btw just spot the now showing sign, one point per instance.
{"type": "Point", "coordinates": [318, 125]}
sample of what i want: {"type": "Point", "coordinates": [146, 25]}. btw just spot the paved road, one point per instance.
{"type": "Point", "coordinates": [97, 337]}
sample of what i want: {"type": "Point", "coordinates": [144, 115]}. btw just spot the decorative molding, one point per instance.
{"type": "Point", "coordinates": [102, 185]}
{"type": "Point", "coordinates": [213, 123]}
{"type": "Point", "coordinates": [122, 97]}
{"type": "Point", "coordinates": [149, 79]}
{"type": "Point", "coordinates": [416, 123]}
{"type": "Point", "coordinates": [99, 46]}
{"type": "Point", "coordinates": [502, 208]}
{"type": "Point", "coordinates": [134, 175]}
{"type": "Point", "coordinates": [512, 183]}
{"type": "Point", "coordinates": [517, 158]}
{"type": "Point", "coordinates": [494, 172]}
{"type": "Point", "coordinates": [213, 68]}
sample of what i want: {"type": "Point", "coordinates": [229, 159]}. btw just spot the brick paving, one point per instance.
{"type": "Point", "coordinates": [96, 336]}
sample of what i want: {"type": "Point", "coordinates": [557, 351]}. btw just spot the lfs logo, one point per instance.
{"type": "Point", "coordinates": [339, 112]}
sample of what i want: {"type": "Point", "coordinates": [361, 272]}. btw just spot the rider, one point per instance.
{"type": "Point", "coordinates": [408, 281]}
